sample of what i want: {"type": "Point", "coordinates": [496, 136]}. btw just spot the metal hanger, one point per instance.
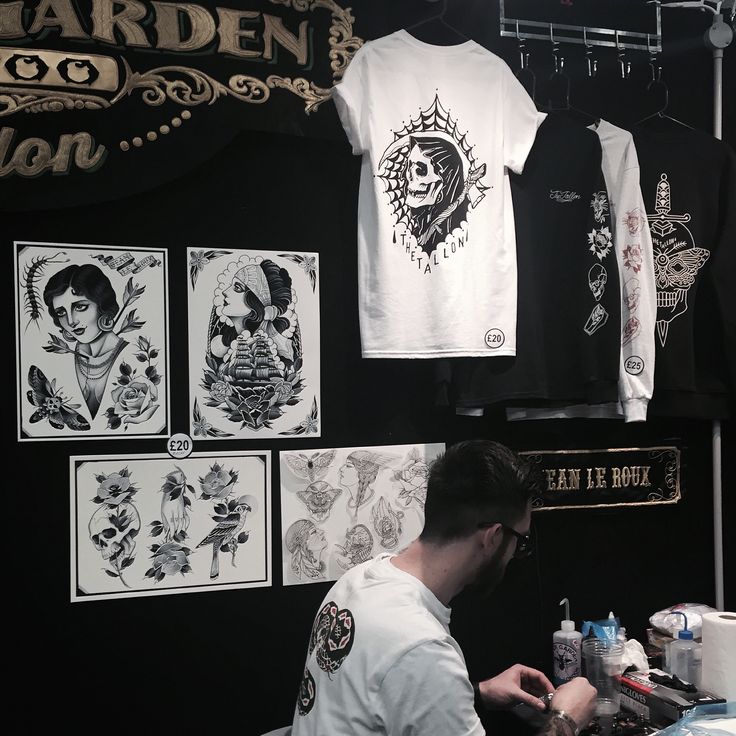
{"type": "Point", "coordinates": [657, 81]}
{"type": "Point", "coordinates": [623, 62]}
{"type": "Point", "coordinates": [524, 69]}
{"type": "Point", "coordinates": [559, 73]}
{"type": "Point", "coordinates": [439, 17]}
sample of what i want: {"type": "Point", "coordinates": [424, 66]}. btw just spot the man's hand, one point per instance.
{"type": "Point", "coordinates": [577, 699]}
{"type": "Point", "coordinates": [518, 684]}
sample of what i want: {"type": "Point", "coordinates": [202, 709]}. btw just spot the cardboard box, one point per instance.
{"type": "Point", "coordinates": [661, 705]}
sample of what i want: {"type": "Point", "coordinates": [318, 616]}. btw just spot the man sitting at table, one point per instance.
{"type": "Point", "coordinates": [381, 657]}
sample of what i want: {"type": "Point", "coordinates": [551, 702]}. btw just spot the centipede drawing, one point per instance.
{"type": "Point", "coordinates": [32, 273]}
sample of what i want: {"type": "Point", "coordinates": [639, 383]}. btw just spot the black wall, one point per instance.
{"type": "Point", "coordinates": [232, 660]}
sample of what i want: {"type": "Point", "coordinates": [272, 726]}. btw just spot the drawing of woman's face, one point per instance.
{"type": "Point", "coordinates": [234, 304]}
{"type": "Point", "coordinates": [316, 541]}
{"type": "Point", "coordinates": [77, 315]}
{"type": "Point", "coordinates": [348, 474]}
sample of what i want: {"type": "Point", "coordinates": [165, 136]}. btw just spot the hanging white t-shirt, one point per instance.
{"type": "Point", "coordinates": [382, 661]}
{"type": "Point", "coordinates": [437, 126]}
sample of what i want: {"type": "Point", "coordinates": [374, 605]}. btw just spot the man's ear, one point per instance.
{"type": "Point", "coordinates": [492, 537]}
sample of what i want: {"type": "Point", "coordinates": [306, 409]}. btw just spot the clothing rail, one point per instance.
{"type": "Point", "coordinates": [583, 35]}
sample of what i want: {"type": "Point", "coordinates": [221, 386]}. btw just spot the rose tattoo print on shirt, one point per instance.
{"type": "Point", "coordinates": [432, 180]}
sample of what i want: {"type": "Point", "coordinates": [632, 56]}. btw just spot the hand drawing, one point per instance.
{"type": "Point", "coordinates": [227, 534]}
{"type": "Point", "coordinates": [51, 404]}
{"type": "Point", "coordinates": [306, 543]}
{"type": "Point", "coordinates": [387, 523]}
{"type": "Point", "coordinates": [114, 526]}
{"type": "Point", "coordinates": [358, 547]}
{"type": "Point", "coordinates": [218, 484]}
{"type": "Point", "coordinates": [312, 467]}
{"type": "Point", "coordinates": [175, 507]}
{"type": "Point", "coordinates": [32, 273]}
{"type": "Point", "coordinates": [83, 305]}
{"type": "Point", "coordinates": [135, 396]}
{"type": "Point", "coordinates": [357, 474]}
{"type": "Point", "coordinates": [254, 351]}
{"type": "Point", "coordinates": [412, 476]}
{"type": "Point", "coordinates": [319, 498]}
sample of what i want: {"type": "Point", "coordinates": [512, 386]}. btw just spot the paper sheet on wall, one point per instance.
{"type": "Point", "coordinates": [254, 350]}
{"type": "Point", "coordinates": [151, 525]}
{"type": "Point", "coordinates": [92, 340]}
{"type": "Point", "coordinates": [343, 506]}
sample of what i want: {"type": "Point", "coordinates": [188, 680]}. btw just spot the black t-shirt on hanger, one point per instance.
{"type": "Point", "coordinates": [569, 310]}
{"type": "Point", "coordinates": [688, 180]}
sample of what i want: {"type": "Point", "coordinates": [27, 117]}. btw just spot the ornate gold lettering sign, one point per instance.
{"type": "Point", "coordinates": [607, 478]}
{"type": "Point", "coordinates": [39, 80]}
{"type": "Point", "coordinates": [93, 55]}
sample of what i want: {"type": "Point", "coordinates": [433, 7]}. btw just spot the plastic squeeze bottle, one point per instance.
{"type": "Point", "coordinates": [566, 649]}
{"type": "Point", "coordinates": [686, 655]}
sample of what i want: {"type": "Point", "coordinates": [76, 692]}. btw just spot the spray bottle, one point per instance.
{"type": "Point", "coordinates": [685, 655]}
{"type": "Point", "coordinates": [566, 649]}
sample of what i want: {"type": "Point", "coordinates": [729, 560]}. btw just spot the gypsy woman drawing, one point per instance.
{"type": "Point", "coordinates": [257, 297]}
{"type": "Point", "coordinates": [357, 475]}
{"type": "Point", "coordinates": [83, 305]}
{"type": "Point", "coordinates": [306, 543]}
{"type": "Point", "coordinates": [254, 351]}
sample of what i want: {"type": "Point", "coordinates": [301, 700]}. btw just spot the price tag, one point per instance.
{"type": "Point", "coordinates": [180, 445]}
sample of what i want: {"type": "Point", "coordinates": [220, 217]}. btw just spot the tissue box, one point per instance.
{"type": "Point", "coordinates": [659, 704]}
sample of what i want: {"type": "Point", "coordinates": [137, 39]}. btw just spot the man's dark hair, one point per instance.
{"type": "Point", "coordinates": [473, 482]}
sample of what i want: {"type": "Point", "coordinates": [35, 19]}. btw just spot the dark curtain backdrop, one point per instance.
{"type": "Point", "coordinates": [232, 660]}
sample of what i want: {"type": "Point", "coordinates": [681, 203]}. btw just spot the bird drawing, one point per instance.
{"type": "Point", "coordinates": [228, 533]}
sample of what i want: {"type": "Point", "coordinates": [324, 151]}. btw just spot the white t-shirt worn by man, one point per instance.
{"type": "Point", "coordinates": [437, 127]}
{"type": "Point", "coordinates": [382, 661]}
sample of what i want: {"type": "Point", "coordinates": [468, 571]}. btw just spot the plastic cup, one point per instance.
{"type": "Point", "coordinates": [602, 661]}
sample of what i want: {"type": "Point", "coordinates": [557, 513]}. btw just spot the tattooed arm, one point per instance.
{"type": "Point", "coordinates": [557, 727]}
{"type": "Point", "coordinates": [571, 708]}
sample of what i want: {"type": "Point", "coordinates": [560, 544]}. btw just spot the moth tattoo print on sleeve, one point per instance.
{"type": "Point", "coordinates": [254, 345]}
{"type": "Point", "coordinates": [95, 322]}
{"type": "Point", "coordinates": [432, 180]}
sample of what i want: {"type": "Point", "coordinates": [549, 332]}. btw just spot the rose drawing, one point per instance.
{"type": "Point", "coordinates": [168, 559]}
{"type": "Point", "coordinates": [220, 391]}
{"type": "Point", "coordinates": [135, 402]}
{"type": "Point", "coordinates": [218, 483]}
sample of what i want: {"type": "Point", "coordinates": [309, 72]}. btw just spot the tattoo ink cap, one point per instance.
{"type": "Point", "coordinates": [566, 649]}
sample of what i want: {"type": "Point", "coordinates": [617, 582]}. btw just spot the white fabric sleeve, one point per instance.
{"type": "Point", "coordinates": [520, 122]}
{"type": "Point", "coordinates": [349, 98]}
{"type": "Point", "coordinates": [638, 294]}
{"type": "Point", "coordinates": [428, 693]}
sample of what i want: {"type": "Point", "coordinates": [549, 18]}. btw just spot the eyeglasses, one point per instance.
{"type": "Point", "coordinates": [524, 546]}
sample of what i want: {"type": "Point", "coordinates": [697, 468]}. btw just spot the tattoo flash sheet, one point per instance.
{"type": "Point", "coordinates": [151, 525]}
{"type": "Point", "coordinates": [92, 339]}
{"type": "Point", "coordinates": [341, 507]}
{"type": "Point", "coordinates": [254, 349]}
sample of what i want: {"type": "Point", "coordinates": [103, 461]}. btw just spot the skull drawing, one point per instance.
{"type": "Point", "coordinates": [597, 278]}
{"type": "Point", "coordinates": [113, 529]}
{"type": "Point", "coordinates": [632, 293]}
{"type": "Point", "coordinates": [423, 182]}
